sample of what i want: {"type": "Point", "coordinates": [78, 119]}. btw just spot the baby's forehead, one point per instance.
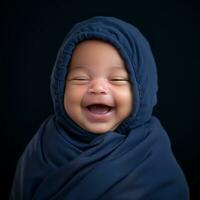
{"type": "Point", "coordinates": [95, 46]}
{"type": "Point", "coordinates": [96, 53]}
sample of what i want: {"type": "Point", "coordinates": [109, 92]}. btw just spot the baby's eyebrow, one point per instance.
{"type": "Point", "coordinates": [75, 67]}
{"type": "Point", "coordinates": [118, 67]}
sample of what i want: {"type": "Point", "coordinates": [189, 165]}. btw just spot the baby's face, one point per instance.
{"type": "Point", "coordinates": [98, 93]}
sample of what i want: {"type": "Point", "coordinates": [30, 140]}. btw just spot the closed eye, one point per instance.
{"type": "Point", "coordinates": [119, 79]}
{"type": "Point", "coordinates": [80, 79]}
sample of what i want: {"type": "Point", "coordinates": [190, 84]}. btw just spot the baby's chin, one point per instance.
{"type": "Point", "coordinates": [99, 128]}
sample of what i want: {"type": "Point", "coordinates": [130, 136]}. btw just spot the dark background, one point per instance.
{"type": "Point", "coordinates": [32, 33]}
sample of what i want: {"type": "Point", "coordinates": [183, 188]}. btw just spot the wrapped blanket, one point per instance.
{"type": "Point", "coordinates": [135, 161]}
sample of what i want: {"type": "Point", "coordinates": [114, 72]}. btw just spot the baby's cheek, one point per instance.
{"type": "Point", "coordinates": [125, 94]}
{"type": "Point", "coordinates": [125, 102]}
{"type": "Point", "coordinates": [73, 96]}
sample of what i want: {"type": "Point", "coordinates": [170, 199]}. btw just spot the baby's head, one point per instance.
{"type": "Point", "coordinates": [98, 93]}
{"type": "Point", "coordinates": [104, 78]}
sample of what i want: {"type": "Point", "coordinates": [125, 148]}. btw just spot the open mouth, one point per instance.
{"type": "Point", "coordinates": [99, 109]}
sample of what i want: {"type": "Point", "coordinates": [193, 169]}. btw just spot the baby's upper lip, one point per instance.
{"type": "Point", "coordinates": [104, 102]}
{"type": "Point", "coordinates": [98, 103]}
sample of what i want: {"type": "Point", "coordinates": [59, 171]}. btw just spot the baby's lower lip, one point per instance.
{"type": "Point", "coordinates": [98, 115]}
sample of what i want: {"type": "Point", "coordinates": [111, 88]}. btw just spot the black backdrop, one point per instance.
{"type": "Point", "coordinates": [32, 33]}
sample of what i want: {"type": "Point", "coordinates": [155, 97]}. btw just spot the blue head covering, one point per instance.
{"type": "Point", "coordinates": [64, 161]}
{"type": "Point", "coordinates": [137, 55]}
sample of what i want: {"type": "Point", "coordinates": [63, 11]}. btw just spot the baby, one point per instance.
{"type": "Point", "coordinates": [102, 142]}
{"type": "Point", "coordinates": [98, 91]}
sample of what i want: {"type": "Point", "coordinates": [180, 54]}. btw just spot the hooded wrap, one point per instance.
{"type": "Point", "coordinates": [65, 162]}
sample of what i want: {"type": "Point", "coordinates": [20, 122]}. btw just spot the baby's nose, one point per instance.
{"type": "Point", "coordinates": [98, 86]}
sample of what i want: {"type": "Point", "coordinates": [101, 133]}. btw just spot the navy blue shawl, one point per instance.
{"type": "Point", "coordinates": [65, 162]}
